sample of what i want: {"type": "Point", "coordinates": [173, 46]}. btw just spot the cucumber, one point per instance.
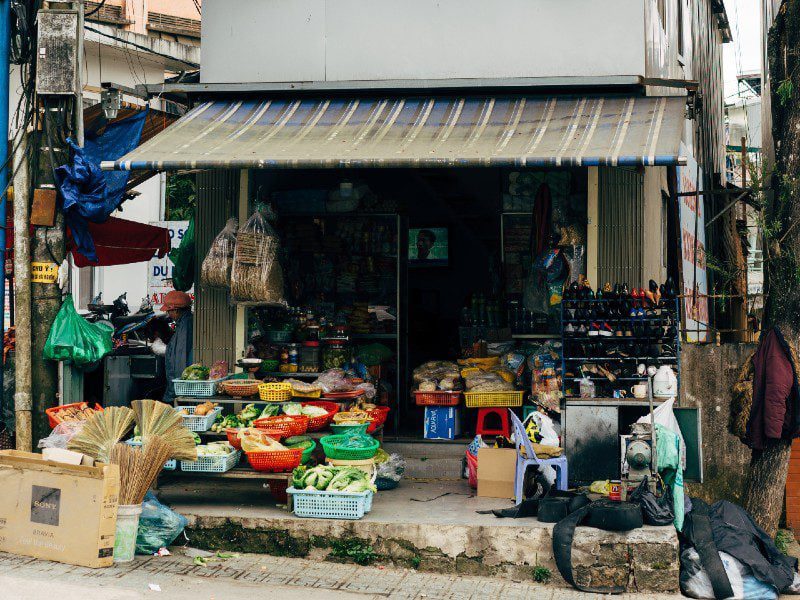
{"type": "Point", "coordinates": [296, 440]}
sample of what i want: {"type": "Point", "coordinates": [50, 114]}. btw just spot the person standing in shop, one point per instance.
{"type": "Point", "coordinates": [178, 305]}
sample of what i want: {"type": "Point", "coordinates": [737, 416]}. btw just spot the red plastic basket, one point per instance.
{"type": "Point", "coordinates": [52, 413]}
{"type": "Point", "coordinates": [233, 437]}
{"type": "Point", "coordinates": [437, 398]}
{"type": "Point", "coordinates": [377, 417]}
{"type": "Point", "coordinates": [278, 461]}
{"type": "Point", "coordinates": [319, 423]}
{"type": "Point", "coordinates": [283, 426]}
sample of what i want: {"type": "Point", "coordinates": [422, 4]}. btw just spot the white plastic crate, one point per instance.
{"type": "Point", "coordinates": [197, 389]}
{"type": "Point", "coordinates": [170, 465]}
{"type": "Point", "coordinates": [330, 505]}
{"type": "Point", "coordinates": [193, 423]}
{"type": "Point", "coordinates": [213, 464]}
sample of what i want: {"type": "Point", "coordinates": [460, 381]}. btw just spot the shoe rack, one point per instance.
{"type": "Point", "coordinates": [618, 339]}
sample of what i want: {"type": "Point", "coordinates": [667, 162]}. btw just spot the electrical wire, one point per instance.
{"type": "Point", "coordinates": [95, 9]}
{"type": "Point", "coordinates": [140, 47]}
{"type": "Point", "coordinates": [197, 6]}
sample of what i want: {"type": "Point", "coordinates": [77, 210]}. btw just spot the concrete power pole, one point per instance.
{"type": "Point", "coordinates": [58, 87]}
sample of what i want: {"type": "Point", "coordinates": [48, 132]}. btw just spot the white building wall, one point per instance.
{"type": "Point", "coordinates": [340, 40]}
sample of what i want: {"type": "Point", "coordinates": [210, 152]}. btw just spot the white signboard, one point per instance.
{"type": "Point", "coordinates": [693, 252]}
{"type": "Point", "coordinates": [159, 270]}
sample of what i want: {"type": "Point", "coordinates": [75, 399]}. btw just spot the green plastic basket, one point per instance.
{"type": "Point", "coordinates": [331, 445]}
{"type": "Point", "coordinates": [349, 429]}
{"type": "Point", "coordinates": [308, 452]}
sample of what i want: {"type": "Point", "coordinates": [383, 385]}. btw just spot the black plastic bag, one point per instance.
{"type": "Point", "coordinates": [655, 510]}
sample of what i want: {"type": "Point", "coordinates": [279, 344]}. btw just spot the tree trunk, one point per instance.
{"type": "Point", "coordinates": [766, 482]}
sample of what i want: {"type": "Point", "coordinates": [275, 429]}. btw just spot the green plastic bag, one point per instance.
{"type": "Point", "coordinates": [73, 339]}
{"type": "Point", "coordinates": [183, 257]}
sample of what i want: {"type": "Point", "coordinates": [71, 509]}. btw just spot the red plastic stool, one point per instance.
{"type": "Point", "coordinates": [501, 414]}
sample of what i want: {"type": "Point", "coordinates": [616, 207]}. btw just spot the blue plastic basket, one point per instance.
{"type": "Point", "coordinates": [170, 465]}
{"type": "Point", "coordinates": [330, 505]}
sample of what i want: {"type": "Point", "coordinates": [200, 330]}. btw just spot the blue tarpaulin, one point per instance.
{"type": "Point", "coordinates": [89, 194]}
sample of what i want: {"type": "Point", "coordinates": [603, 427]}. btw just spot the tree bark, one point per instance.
{"type": "Point", "coordinates": [766, 481]}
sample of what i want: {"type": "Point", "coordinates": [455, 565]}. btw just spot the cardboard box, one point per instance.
{"type": "Point", "coordinates": [442, 423]}
{"type": "Point", "coordinates": [496, 470]}
{"type": "Point", "coordinates": [66, 513]}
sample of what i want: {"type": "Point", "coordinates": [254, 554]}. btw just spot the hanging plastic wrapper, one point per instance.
{"type": "Point", "coordinates": [216, 268]}
{"type": "Point", "coordinates": [256, 275]}
{"type": "Point", "coordinates": [72, 339]}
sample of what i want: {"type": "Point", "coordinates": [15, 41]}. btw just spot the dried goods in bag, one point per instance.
{"type": "Point", "coordinates": [256, 275]}
{"type": "Point", "coordinates": [216, 268]}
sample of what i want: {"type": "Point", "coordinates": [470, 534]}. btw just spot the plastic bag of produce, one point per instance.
{"type": "Point", "coordinates": [158, 526]}
{"type": "Point", "coordinates": [61, 435]}
{"type": "Point", "coordinates": [216, 268]}
{"type": "Point", "coordinates": [256, 275]}
{"type": "Point", "coordinates": [73, 339]}
{"type": "Point", "coordinates": [393, 468]}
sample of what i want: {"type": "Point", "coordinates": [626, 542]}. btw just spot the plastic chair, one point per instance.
{"type": "Point", "coordinates": [521, 441]}
{"type": "Point", "coordinates": [502, 417]}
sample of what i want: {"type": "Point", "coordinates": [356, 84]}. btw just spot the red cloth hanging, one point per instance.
{"type": "Point", "coordinates": [121, 242]}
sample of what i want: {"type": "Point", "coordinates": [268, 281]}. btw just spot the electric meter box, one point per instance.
{"type": "Point", "coordinates": [57, 53]}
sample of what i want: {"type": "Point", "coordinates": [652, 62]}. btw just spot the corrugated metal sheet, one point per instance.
{"type": "Point", "coordinates": [620, 227]}
{"type": "Point", "coordinates": [445, 131]}
{"type": "Point", "coordinates": [214, 318]}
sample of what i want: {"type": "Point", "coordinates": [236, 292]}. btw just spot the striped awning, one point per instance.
{"type": "Point", "coordinates": [443, 131]}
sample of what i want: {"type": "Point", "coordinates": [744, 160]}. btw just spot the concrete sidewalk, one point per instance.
{"type": "Point", "coordinates": [431, 525]}
{"type": "Point", "coordinates": [257, 576]}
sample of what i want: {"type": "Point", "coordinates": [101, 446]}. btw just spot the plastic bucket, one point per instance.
{"type": "Point", "coordinates": [127, 528]}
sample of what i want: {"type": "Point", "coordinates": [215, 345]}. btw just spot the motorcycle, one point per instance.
{"type": "Point", "coordinates": [128, 328]}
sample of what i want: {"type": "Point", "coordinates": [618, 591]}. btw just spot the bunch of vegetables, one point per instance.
{"type": "Point", "coordinates": [254, 440]}
{"type": "Point", "coordinates": [357, 441]}
{"type": "Point", "coordinates": [251, 413]}
{"type": "Point", "coordinates": [332, 479]}
{"type": "Point", "coordinates": [214, 449]}
{"type": "Point", "coordinates": [195, 372]}
{"type": "Point", "coordinates": [303, 442]}
{"type": "Point", "coordinates": [201, 410]}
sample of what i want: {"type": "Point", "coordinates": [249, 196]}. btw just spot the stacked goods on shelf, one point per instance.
{"type": "Point", "coordinates": [617, 337]}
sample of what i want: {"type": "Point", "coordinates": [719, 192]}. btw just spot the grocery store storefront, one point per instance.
{"type": "Point", "coordinates": [410, 225]}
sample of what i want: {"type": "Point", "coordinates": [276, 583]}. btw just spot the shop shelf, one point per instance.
{"type": "Point", "coordinates": [198, 389]}
{"type": "Point", "coordinates": [199, 423]}
{"type": "Point", "coordinates": [492, 399]}
{"type": "Point", "coordinates": [330, 505]}
{"type": "Point", "coordinates": [212, 464]}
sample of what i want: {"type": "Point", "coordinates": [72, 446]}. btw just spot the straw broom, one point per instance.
{"type": "Point", "coordinates": [139, 468]}
{"type": "Point", "coordinates": [101, 432]}
{"type": "Point", "coordinates": [155, 418]}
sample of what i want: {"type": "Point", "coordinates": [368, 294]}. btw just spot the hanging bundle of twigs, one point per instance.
{"type": "Point", "coordinates": [256, 275]}
{"type": "Point", "coordinates": [139, 467]}
{"type": "Point", "coordinates": [216, 268]}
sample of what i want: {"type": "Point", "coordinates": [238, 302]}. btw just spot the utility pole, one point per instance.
{"type": "Point", "coordinates": [58, 83]}
{"type": "Point", "coordinates": [22, 297]}
{"type": "Point", "coordinates": [5, 40]}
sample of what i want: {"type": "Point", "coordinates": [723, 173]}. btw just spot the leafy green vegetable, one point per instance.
{"type": "Point", "coordinates": [249, 413]}
{"type": "Point", "coordinates": [298, 477]}
{"type": "Point", "coordinates": [270, 410]}
{"type": "Point", "coordinates": [195, 372]}
{"type": "Point", "coordinates": [293, 409]}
